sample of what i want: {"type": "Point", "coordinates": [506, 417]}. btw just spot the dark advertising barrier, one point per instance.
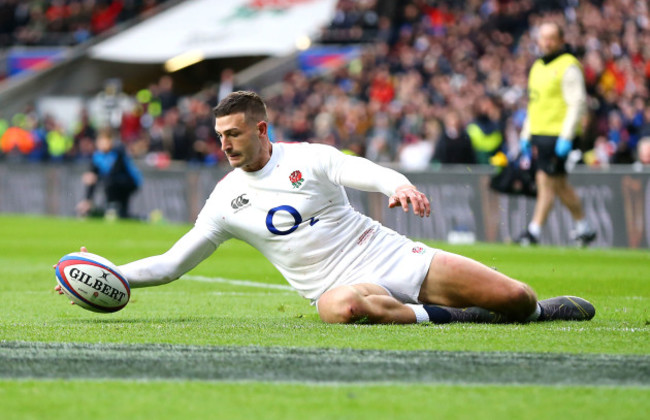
{"type": "Point", "coordinates": [616, 202]}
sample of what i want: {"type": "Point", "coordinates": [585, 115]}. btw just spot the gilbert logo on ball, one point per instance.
{"type": "Point", "coordinates": [92, 282]}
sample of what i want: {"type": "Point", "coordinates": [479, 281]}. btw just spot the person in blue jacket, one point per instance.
{"type": "Point", "coordinates": [112, 167]}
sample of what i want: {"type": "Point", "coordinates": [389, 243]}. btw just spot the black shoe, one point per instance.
{"type": "Point", "coordinates": [526, 239]}
{"type": "Point", "coordinates": [566, 308]}
{"type": "Point", "coordinates": [585, 238]}
{"type": "Point", "coordinates": [445, 314]}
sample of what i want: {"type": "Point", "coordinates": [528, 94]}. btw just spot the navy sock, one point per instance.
{"type": "Point", "coordinates": [437, 315]}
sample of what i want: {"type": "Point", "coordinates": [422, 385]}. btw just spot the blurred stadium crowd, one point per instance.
{"type": "Point", "coordinates": [438, 82]}
{"type": "Point", "coordinates": [64, 22]}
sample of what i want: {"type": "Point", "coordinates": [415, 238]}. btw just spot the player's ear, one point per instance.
{"type": "Point", "coordinates": [262, 129]}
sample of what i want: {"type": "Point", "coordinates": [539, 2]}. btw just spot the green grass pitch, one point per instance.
{"type": "Point", "coordinates": [210, 308]}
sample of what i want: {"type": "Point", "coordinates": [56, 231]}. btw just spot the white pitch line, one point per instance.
{"type": "Point", "coordinates": [252, 293]}
{"type": "Point", "coordinates": [245, 283]}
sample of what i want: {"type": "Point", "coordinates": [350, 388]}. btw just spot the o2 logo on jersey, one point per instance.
{"type": "Point", "coordinates": [297, 220]}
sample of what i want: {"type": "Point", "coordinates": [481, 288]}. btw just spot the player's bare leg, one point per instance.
{"type": "Point", "coordinates": [483, 293]}
{"type": "Point", "coordinates": [363, 302]}
{"type": "Point", "coordinates": [456, 289]}
{"type": "Point", "coordinates": [461, 282]}
{"type": "Point", "coordinates": [452, 281]}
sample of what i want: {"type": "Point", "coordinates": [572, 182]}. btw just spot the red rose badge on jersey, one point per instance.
{"type": "Point", "coordinates": [296, 179]}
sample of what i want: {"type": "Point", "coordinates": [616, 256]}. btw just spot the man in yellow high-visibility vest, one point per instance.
{"type": "Point", "coordinates": [557, 99]}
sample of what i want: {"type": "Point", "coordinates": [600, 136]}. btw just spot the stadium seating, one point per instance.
{"type": "Point", "coordinates": [417, 64]}
{"type": "Point", "coordinates": [64, 22]}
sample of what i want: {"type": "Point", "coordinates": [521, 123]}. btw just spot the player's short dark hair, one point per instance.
{"type": "Point", "coordinates": [250, 103]}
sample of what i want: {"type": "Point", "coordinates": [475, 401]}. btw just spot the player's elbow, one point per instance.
{"type": "Point", "coordinates": [152, 271]}
{"type": "Point", "coordinates": [171, 271]}
{"type": "Point", "coordinates": [147, 279]}
{"type": "Point", "coordinates": [168, 278]}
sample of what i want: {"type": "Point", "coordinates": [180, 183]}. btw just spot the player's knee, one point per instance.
{"type": "Point", "coordinates": [340, 306]}
{"type": "Point", "coordinates": [523, 300]}
{"type": "Point", "coordinates": [524, 295]}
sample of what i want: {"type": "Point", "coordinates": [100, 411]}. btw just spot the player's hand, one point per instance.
{"type": "Point", "coordinates": [57, 288]}
{"type": "Point", "coordinates": [409, 194]}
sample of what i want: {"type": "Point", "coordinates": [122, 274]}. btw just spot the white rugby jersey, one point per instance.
{"type": "Point", "coordinates": [296, 213]}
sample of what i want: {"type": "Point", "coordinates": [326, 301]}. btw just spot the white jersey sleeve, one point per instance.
{"type": "Point", "coordinates": [194, 247]}
{"type": "Point", "coordinates": [183, 256]}
{"type": "Point", "coordinates": [211, 221]}
{"type": "Point", "coordinates": [359, 173]}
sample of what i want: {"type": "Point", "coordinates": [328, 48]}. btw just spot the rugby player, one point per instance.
{"type": "Point", "coordinates": [288, 201]}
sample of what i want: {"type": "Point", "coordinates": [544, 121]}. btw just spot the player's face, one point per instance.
{"type": "Point", "coordinates": [549, 39]}
{"type": "Point", "coordinates": [243, 142]}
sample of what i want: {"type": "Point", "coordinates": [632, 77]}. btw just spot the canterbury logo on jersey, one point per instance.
{"type": "Point", "coordinates": [240, 202]}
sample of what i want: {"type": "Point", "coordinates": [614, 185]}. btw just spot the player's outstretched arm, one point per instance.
{"type": "Point", "coordinates": [183, 256]}
{"type": "Point", "coordinates": [186, 254]}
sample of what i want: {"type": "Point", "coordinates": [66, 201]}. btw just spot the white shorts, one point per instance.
{"type": "Point", "coordinates": [394, 262]}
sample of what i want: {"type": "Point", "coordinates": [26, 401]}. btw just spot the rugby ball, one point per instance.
{"type": "Point", "coordinates": [92, 282]}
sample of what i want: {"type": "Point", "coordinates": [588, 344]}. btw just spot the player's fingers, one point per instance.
{"type": "Point", "coordinates": [420, 203]}
{"type": "Point", "coordinates": [421, 208]}
{"type": "Point", "coordinates": [404, 201]}
{"type": "Point", "coordinates": [427, 206]}
{"type": "Point", "coordinates": [84, 249]}
{"type": "Point", "coordinates": [410, 194]}
{"type": "Point", "coordinates": [60, 291]}
{"type": "Point", "coordinates": [398, 200]}
{"type": "Point", "coordinates": [416, 202]}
